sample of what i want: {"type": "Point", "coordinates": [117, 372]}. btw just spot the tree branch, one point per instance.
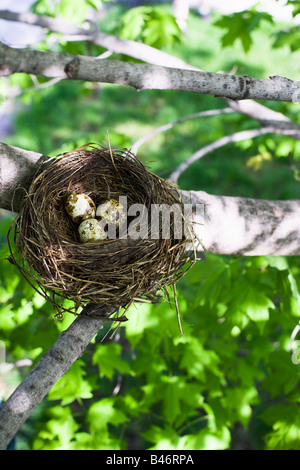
{"type": "Point", "coordinates": [237, 137]}
{"type": "Point", "coordinates": [170, 125]}
{"type": "Point", "coordinates": [266, 116]}
{"type": "Point", "coordinates": [144, 76]}
{"type": "Point", "coordinates": [245, 226]}
{"type": "Point", "coordinates": [17, 167]}
{"type": "Point", "coordinates": [69, 346]}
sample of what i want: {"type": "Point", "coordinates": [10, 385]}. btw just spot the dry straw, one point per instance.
{"type": "Point", "coordinates": [108, 274]}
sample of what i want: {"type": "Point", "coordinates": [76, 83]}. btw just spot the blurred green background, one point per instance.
{"type": "Point", "coordinates": [229, 382]}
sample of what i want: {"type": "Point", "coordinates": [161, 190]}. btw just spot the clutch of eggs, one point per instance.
{"type": "Point", "coordinates": [82, 209]}
{"type": "Point", "coordinates": [112, 212]}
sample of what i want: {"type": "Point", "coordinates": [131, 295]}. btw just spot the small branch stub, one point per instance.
{"type": "Point", "coordinates": [72, 68]}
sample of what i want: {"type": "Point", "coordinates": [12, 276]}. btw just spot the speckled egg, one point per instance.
{"type": "Point", "coordinates": [112, 211]}
{"type": "Point", "coordinates": [90, 230]}
{"type": "Point", "coordinates": [80, 207]}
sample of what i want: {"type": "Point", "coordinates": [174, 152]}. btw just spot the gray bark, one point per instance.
{"type": "Point", "coordinates": [144, 76]}
{"type": "Point", "coordinates": [245, 226]}
{"type": "Point", "coordinates": [17, 167]}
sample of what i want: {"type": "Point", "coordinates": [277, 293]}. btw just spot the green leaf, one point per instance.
{"type": "Point", "coordinates": [206, 440]}
{"type": "Point", "coordinates": [7, 321]}
{"type": "Point", "coordinates": [238, 402]}
{"type": "Point", "coordinates": [96, 441]}
{"type": "Point", "coordinates": [162, 30]}
{"type": "Point", "coordinates": [197, 360]}
{"type": "Point", "coordinates": [180, 399]}
{"type": "Point", "coordinates": [285, 421]}
{"type": "Point", "coordinates": [95, 4]}
{"type": "Point", "coordinates": [167, 438]}
{"type": "Point", "coordinates": [296, 6]}
{"type": "Point", "coordinates": [140, 319]}
{"type": "Point", "coordinates": [249, 302]}
{"type": "Point", "coordinates": [241, 26]}
{"type": "Point", "coordinates": [72, 386]}
{"type": "Point", "coordinates": [133, 22]}
{"type": "Point", "coordinates": [164, 438]}
{"type": "Point", "coordinates": [59, 431]}
{"type": "Point", "coordinates": [288, 37]}
{"type": "Point", "coordinates": [107, 357]}
{"type": "Point", "coordinates": [104, 412]}
{"type": "Point", "coordinates": [283, 374]}
{"type": "Point", "coordinates": [289, 294]}
{"type": "Point", "coordinates": [257, 306]}
{"type": "Point", "coordinates": [151, 24]}
{"type": "Point", "coordinates": [211, 279]}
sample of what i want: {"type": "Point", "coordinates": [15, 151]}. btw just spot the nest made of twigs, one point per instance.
{"type": "Point", "coordinates": [111, 273]}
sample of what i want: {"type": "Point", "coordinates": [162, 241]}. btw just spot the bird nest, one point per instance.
{"type": "Point", "coordinates": [134, 265]}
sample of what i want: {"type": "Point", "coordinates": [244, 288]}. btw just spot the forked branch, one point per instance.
{"type": "Point", "coordinates": [144, 76]}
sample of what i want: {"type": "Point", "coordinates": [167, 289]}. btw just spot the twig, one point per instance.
{"type": "Point", "coordinates": [237, 137]}
{"type": "Point", "coordinates": [266, 116]}
{"type": "Point", "coordinates": [170, 125]}
{"type": "Point", "coordinates": [37, 86]}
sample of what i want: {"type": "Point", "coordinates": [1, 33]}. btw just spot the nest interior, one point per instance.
{"type": "Point", "coordinates": [111, 273]}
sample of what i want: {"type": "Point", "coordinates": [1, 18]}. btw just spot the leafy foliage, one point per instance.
{"type": "Point", "coordinates": [65, 8]}
{"type": "Point", "coordinates": [152, 25]}
{"type": "Point", "coordinates": [241, 26]}
{"type": "Point", "coordinates": [159, 390]}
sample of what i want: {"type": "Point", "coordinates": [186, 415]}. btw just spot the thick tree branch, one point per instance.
{"type": "Point", "coordinates": [144, 76]}
{"type": "Point", "coordinates": [244, 226]}
{"type": "Point", "coordinates": [69, 346]}
{"type": "Point", "coordinates": [17, 167]}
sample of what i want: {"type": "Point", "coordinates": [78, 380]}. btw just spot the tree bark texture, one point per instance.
{"type": "Point", "coordinates": [244, 226]}
{"type": "Point", "coordinates": [17, 167]}
{"type": "Point", "coordinates": [144, 76]}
